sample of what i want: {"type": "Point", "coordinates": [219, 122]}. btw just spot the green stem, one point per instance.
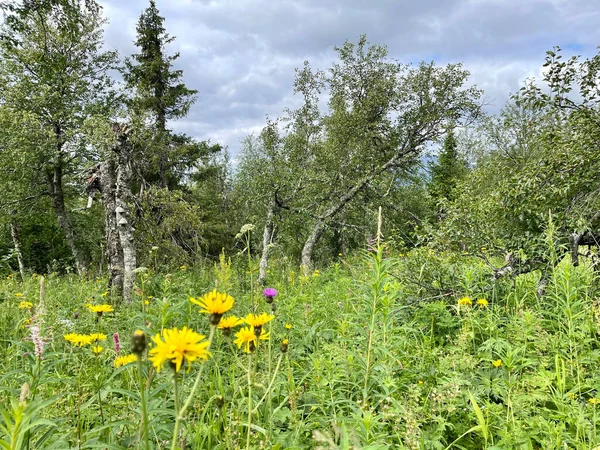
{"type": "Point", "coordinates": [250, 271]}
{"type": "Point", "coordinates": [372, 325]}
{"type": "Point", "coordinates": [249, 400]}
{"type": "Point", "coordinates": [177, 406]}
{"type": "Point", "coordinates": [144, 403]}
{"type": "Point", "coordinates": [270, 384]}
{"type": "Point", "coordinates": [98, 387]}
{"type": "Point", "coordinates": [188, 401]}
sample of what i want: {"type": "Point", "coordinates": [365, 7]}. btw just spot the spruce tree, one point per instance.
{"type": "Point", "coordinates": [159, 95]}
{"type": "Point", "coordinates": [449, 169]}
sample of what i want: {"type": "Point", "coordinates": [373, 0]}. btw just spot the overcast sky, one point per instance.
{"type": "Point", "coordinates": [241, 54]}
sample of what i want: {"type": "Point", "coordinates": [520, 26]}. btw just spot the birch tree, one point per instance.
{"type": "Point", "coordinates": [54, 70]}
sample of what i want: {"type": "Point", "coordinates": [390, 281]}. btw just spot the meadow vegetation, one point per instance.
{"type": "Point", "coordinates": [355, 357]}
{"type": "Point", "coordinates": [383, 266]}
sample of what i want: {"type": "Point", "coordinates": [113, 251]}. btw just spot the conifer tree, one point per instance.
{"type": "Point", "coordinates": [159, 96]}
{"type": "Point", "coordinates": [449, 169]}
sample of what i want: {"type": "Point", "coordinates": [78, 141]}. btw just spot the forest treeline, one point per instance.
{"type": "Point", "coordinates": [94, 178]}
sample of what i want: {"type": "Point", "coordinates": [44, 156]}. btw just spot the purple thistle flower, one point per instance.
{"type": "Point", "coordinates": [270, 294]}
{"type": "Point", "coordinates": [117, 342]}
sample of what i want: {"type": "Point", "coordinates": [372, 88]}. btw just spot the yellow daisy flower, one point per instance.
{"type": "Point", "coordinates": [78, 339]}
{"type": "Point", "coordinates": [257, 321]}
{"type": "Point", "coordinates": [482, 302]}
{"type": "Point", "coordinates": [246, 338]}
{"type": "Point", "coordinates": [94, 337]}
{"type": "Point", "coordinates": [176, 346]}
{"type": "Point", "coordinates": [465, 301]}
{"type": "Point", "coordinates": [25, 305]}
{"type": "Point", "coordinates": [214, 303]}
{"type": "Point", "coordinates": [97, 349]}
{"type": "Point", "coordinates": [100, 309]}
{"type": "Point", "coordinates": [18, 294]}
{"type": "Point", "coordinates": [497, 363]}
{"type": "Point", "coordinates": [288, 326]}
{"type": "Point", "coordinates": [123, 360]}
{"type": "Point", "coordinates": [227, 323]}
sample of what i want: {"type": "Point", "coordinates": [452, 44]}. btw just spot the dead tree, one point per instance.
{"type": "Point", "coordinates": [123, 216]}
{"type": "Point", "coordinates": [111, 178]}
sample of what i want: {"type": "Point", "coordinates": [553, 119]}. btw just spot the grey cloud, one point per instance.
{"type": "Point", "coordinates": [241, 54]}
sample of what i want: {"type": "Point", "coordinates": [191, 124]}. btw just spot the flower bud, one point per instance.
{"type": "Point", "coordinates": [138, 343]}
{"type": "Point", "coordinates": [284, 345]}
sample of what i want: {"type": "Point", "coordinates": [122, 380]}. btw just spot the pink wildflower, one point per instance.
{"type": "Point", "coordinates": [38, 342]}
{"type": "Point", "coordinates": [117, 342]}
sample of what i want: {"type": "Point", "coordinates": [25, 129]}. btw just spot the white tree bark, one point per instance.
{"type": "Point", "coordinates": [122, 210]}
{"type": "Point", "coordinates": [267, 241]}
{"type": "Point", "coordinates": [16, 238]}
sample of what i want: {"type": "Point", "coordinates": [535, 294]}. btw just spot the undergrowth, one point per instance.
{"type": "Point", "coordinates": [416, 351]}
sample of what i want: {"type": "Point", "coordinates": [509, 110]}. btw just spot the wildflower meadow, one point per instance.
{"type": "Point", "coordinates": [351, 357]}
{"type": "Point", "coordinates": [253, 225]}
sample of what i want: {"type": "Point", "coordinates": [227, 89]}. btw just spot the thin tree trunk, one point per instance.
{"type": "Point", "coordinates": [123, 216]}
{"type": "Point", "coordinates": [309, 246]}
{"type": "Point", "coordinates": [328, 214]}
{"type": "Point", "coordinates": [267, 240]}
{"type": "Point", "coordinates": [58, 202]}
{"type": "Point", "coordinates": [114, 252]}
{"type": "Point", "coordinates": [16, 238]}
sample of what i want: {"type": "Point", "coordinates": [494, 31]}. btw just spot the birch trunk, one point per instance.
{"type": "Point", "coordinates": [114, 252]}
{"type": "Point", "coordinates": [267, 240]}
{"type": "Point", "coordinates": [123, 216]}
{"type": "Point", "coordinates": [309, 246]}
{"type": "Point", "coordinates": [330, 213]}
{"type": "Point", "coordinates": [16, 238]}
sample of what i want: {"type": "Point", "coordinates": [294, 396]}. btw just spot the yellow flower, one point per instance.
{"type": "Point", "coordinates": [25, 305]}
{"type": "Point", "coordinates": [123, 360]}
{"type": "Point", "coordinates": [214, 303]}
{"type": "Point", "coordinates": [482, 302]}
{"type": "Point", "coordinates": [182, 268]}
{"type": "Point", "coordinates": [245, 337]}
{"type": "Point", "coordinates": [176, 346]}
{"type": "Point", "coordinates": [594, 401]}
{"type": "Point", "coordinates": [94, 337]}
{"type": "Point", "coordinates": [465, 301]}
{"type": "Point", "coordinates": [288, 326]}
{"type": "Point", "coordinates": [18, 294]}
{"type": "Point", "coordinates": [284, 345]}
{"type": "Point", "coordinates": [78, 339]}
{"type": "Point", "coordinates": [99, 309]}
{"type": "Point", "coordinates": [497, 363]}
{"type": "Point", "coordinates": [227, 323]}
{"type": "Point", "coordinates": [146, 302]}
{"type": "Point", "coordinates": [420, 381]}
{"type": "Point", "coordinates": [257, 321]}
{"type": "Point", "coordinates": [316, 273]}
{"type": "Point", "coordinates": [97, 349]}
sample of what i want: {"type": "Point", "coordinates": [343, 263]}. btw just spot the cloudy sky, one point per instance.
{"type": "Point", "coordinates": [241, 54]}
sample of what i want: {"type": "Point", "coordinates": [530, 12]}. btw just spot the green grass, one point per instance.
{"type": "Point", "coordinates": [379, 357]}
